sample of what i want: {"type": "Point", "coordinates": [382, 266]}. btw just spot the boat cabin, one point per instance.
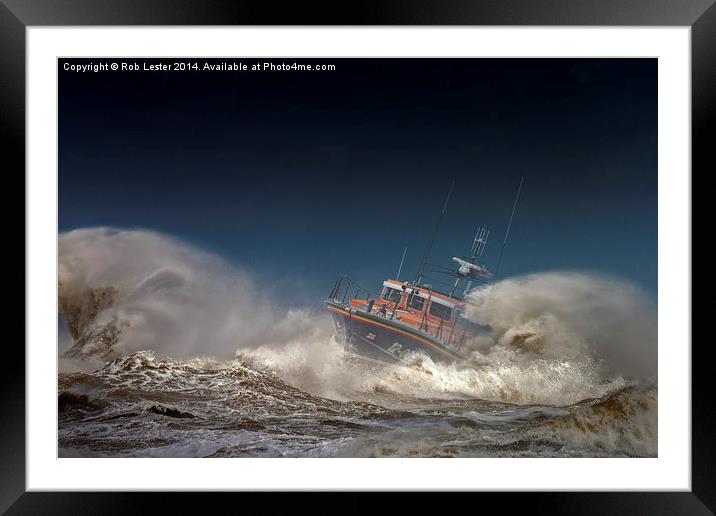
{"type": "Point", "coordinates": [417, 306]}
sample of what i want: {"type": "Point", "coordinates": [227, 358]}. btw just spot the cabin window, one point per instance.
{"type": "Point", "coordinates": [392, 295]}
{"type": "Point", "coordinates": [416, 302]}
{"type": "Point", "coordinates": [441, 311]}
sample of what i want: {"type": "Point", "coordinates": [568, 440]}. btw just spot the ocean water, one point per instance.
{"type": "Point", "coordinates": [142, 406]}
{"type": "Point", "coordinates": [161, 355]}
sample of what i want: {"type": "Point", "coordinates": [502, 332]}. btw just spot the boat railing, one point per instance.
{"type": "Point", "coordinates": [345, 290]}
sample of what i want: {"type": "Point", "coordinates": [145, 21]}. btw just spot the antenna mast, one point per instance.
{"type": "Point", "coordinates": [397, 276]}
{"type": "Point", "coordinates": [426, 256]}
{"type": "Point", "coordinates": [509, 224]}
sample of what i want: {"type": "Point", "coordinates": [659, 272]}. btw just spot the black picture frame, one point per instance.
{"type": "Point", "coordinates": [17, 15]}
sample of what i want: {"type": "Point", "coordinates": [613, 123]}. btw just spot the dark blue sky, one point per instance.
{"type": "Point", "coordinates": [304, 175]}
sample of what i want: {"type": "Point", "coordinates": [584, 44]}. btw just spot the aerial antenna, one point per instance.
{"type": "Point", "coordinates": [426, 256]}
{"type": "Point", "coordinates": [478, 247]}
{"type": "Point", "coordinates": [479, 243]}
{"type": "Point", "coordinates": [509, 224]}
{"type": "Point", "coordinates": [397, 276]}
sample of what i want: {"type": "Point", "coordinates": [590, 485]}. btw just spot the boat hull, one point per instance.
{"type": "Point", "coordinates": [381, 338]}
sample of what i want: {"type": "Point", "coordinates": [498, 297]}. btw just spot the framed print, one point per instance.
{"type": "Point", "coordinates": [410, 249]}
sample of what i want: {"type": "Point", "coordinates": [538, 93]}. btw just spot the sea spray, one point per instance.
{"type": "Point", "coordinates": [570, 316]}
{"type": "Point", "coordinates": [122, 291]}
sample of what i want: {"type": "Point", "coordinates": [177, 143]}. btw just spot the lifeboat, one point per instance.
{"type": "Point", "coordinates": [413, 317]}
{"type": "Point", "coordinates": [404, 318]}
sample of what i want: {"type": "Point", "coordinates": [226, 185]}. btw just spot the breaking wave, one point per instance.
{"type": "Point", "coordinates": [570, 316]}
{"type": "Point", "coordinates": [130, 290]}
